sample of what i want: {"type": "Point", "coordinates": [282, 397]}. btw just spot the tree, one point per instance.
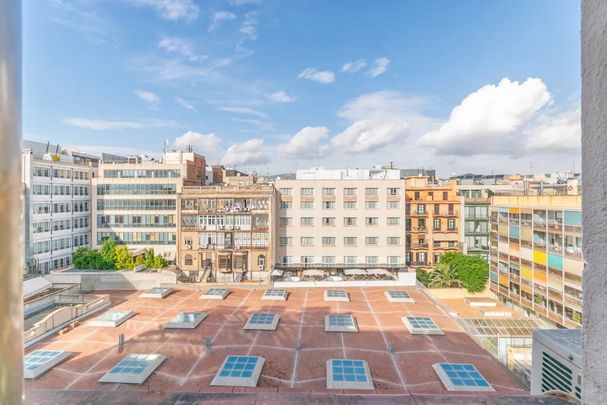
{"type": "Point", "coordinates": [159, 262]}
{"type": "Point", "coordinates": [84, 258]}
{"type": "Point", "coordinates": [107, 255]}
{"type": "Point", "coordinates": [149, 258]}
{"type": "Point", "coordinates": [444, 276]}
{"type": "Point", "coordinates": [124, 260]}
{"type": "Point", "coordinates": [422, 276]}
{"type": "Point", "coordinates": [471, 270]}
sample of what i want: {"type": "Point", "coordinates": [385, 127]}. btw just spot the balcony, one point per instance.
{"type": "Point", "coordinates": [417, 213]}
{"type": "Point", "coordinates": [418, 246]}
{"type": "Point", "coordinates": [446, 230]}
{"type": "Point", "coordinates": [420, 229]}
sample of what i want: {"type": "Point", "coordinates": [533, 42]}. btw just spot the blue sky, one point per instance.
{"type": "Point", "coordinates": [274, 85]}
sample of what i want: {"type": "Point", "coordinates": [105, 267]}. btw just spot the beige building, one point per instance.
{"type": "Point", "coordinates": [135, 203]}
{"type": "Point", "coordinates": [341, 218]}
{"type": "Point", "coordinates": [227, 232]}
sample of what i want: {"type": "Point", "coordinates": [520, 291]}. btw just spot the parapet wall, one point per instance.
{"type": "Point", "coordinates": [114, 280]}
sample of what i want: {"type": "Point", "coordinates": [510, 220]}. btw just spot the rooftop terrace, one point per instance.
{"type": "Point", "coordinates": [296, 353]}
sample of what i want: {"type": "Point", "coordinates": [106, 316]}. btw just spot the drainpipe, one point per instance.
{"type": "Point", "coordinates": [11, 206]}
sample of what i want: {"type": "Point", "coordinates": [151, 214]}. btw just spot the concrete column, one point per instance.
{"type": "Point", "coordinates": [594, 199]}
{"type": "Point", "coordinates": [11, 219]}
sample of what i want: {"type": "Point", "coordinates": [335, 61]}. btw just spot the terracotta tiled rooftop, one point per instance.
{"type": "Point", "coordinates": [190, 367]}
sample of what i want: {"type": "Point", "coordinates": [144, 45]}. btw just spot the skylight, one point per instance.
{"type": "Point", "coordinates": [133, 369]}
{"type": "Point", "coordinates": [239, 371]}
{"type": "Point", "coordinates": [215, 294]}
{"type": "Point", "coordinates": [186, 320]}
{"type": "Point", "coordinates": [461, 377]}
{"type": "Point", "coordinates": [112, 319]}
{"type": "Point", "coordinates": [421, 325]}
{"type": "Point", "coordinates": [398, 296]}
{"type": "Point", "coordinates": [39, 362]}
{"type": "Point", "coordinates": [340, 323]}
{"type": "Point", "coordinates": [273, 294]}
{"type": "Point", "coordinates": [337, 295]}
{"type": "Point", "coordinates": [348, 374]}
{"type": "Point", "coordinates": [262, 321]}
{"type": "Point", "coordinates": [156, 292]}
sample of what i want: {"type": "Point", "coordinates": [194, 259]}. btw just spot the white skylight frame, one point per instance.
{"type": "Point", "coordinates": [181, 320]}
{"type": "Point", "coordinates": [213, 294]}
{"type": "Point", "coordinates": [272, 325]}
{"type": "Point", "coordinates": [469, 369]}
{"type": "Point", "coordinates": [344, 296]}
{"type": "Point", "coordinates": [391, 298]}
{"type": "Point", "coordinates": [347, 374]}
{"type": "Point", "coordinates": [275, 294]}
{"type": "Point", "coordinates": [480, 302]}
{"type": "Point", "coordinates": [32, 371]}
{"type": "Point", "coordinates": [495, 312]}
{"type": "Point", "coordinates": [138, 366]}
{"type": "Point", "coordinates": [411, 322]}
{"type": "Point", "coordinates": [224, 376]}
{"type": "Point", "coordinates": [105, 320]}
{"type": "Point", "coordinates": [348, 327]}
{"type": "Point", "coordinates": [156, 292]}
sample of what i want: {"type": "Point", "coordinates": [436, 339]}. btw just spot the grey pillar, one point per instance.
{"type": "Point", "coordinates": [11, 228]}
{"type": "Point", "coordinates": [594, 199]}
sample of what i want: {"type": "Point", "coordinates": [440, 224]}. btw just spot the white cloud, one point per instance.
{"type": "Point", "coordinates": [249, 26]}
{"type": "Point", "coordinates": [282, 97]}
{"type": "Point", "coordinates": [259, 124]}
{"type": "Point", "coordinates": [243, 110]}
{"type": "Point", "coordinates": [382, 105]}
{"type": "Point", "coordinates": [220, 17]}
{"type": "Point", "coordinates": [105, 124]}
{"type": "Point", "coordinates": [355, 66]}
{"type": "Point", "coordinates": [250, 152]}
{"type": "Point", "coordinates": [201, 143]}
{"type": "Point", "coordinates": [307, 143]}
{"type": "Point", "coordinates": [379, 67]}
{"type": "Point", "coordinates": [180, 46]}
{"type": "Point", "coordinates": [148, 97]}
{"type": "Point", "coordinates": [486, 120]}
{"type": "Point", "coordinates": [320, 76]}
{"type": "Point", "coordinates": [558, 133]}
{"type": "Point", "coordinates": [245, 2]}
{"type": "Point", "coordinates": [185, 103]}
{"type": "Point", "coordinates": [369, 135]}
{"type": "Point", "coordinates": [171, 10]}
{"type": "Point", "coordinates": [125, 151]}
{"type": "Point", "coordinates": [86, 18]}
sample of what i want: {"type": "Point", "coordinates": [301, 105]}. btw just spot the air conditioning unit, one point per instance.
{"type": "Point", "coordinates": [556, 363]}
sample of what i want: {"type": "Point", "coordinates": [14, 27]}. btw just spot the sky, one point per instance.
{"type": "Point", "coordinates": [272, 85]}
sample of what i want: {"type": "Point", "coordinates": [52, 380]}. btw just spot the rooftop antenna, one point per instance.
{"type": "Point", "coordinates": [165, 145]}
{"type": "Point", "coordinates": [48, 144]}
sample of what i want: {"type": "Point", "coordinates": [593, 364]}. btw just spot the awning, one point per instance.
{"type": "Point", "coordinates": [313, 272]}
{"type": "Point", "coordinates": [354, 272]}
{"type": "Point", "coordinates": [276, 272]}
{"type": "Point", "coordinates": [379, 272]}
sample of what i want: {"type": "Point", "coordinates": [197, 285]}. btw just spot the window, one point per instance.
{"type": "Point", "coordinates": [393, 221]}
{"type": "Point", "coordinates": [421, 208]}
{"type": "Point", "coordinates": [328, 191]}
{"type": "Point", "coordinates": [349, 241]}
{"type": "Point", "coordinates": [371, 260]}
{"type": "Point", "coordinates": [393, 190]}
{"type": "Point", "coordinates": [285, 191]}
{"type": "Point", "coordinates": [350, 221]}
{"type": "Point", "coordinates": [285, 241]}
{"type": "Point", "coordinates": [416, 196]}
{"type": "Point", "coordinates": [393, 240]}
{"type": "Point", "coordinates": [286, 204]}
{"type": "Point", "coordinates": [328, 241]}
{"type": "Point", "coordinates": [393, 204]}
{"type": "Point", "coordinates": [328, 205]}
{"type": "Point", "coordinates": [371, 191]}
{"type": "Point", "coordinates": [437, 224]}
{"type": "Point", "coordinates": [436, 244]}
{"type": "Point", "coordinates": [350, 205]}
{"type": "Point", "coordinates": [188, 260]}
{"type": "Point", "coordinates": [350, 191]}
{"type": "Point", "coordinates": [420, 257]}
{"type": "Point", "coordinates": [436, 209]}
{"type": "Point", "coordinates": [286, 221]}
{"type": "Point", "coordinates": [452, 243]}
{"type": "Point", "coordinates": [451, 224]}
{"type": "Point", "coordinates": [286, 260]}
{"type": "Point", "coordinates": [371, 221]}
{"type": "Point", "coordinates": [393, 260]}
{"type": "Point", "coordinates": [445, 195]}
{"type": "Point", "coordinates": [328, 260]}
{"type": "Point", "coordinates": [306, 205]}
{"type": "Point", "coordinates": [307, 221]}
{"type": "Point", "coordinates": [371, 205]}
{"type": "Point", "coordinates": [328, 221]}
{"type": "Point", "coordinates": [306, 191]}
{"type": "Point", "coordinates": [371, 240]}
{"type": "Point", "coordinates": [307, 241]}
{"type": "Point", "coordinates": [261, 262]}
{"type": "Point", "coordinates": [349, 259]}
{"type": "Point", "coordinates": [307, 259]}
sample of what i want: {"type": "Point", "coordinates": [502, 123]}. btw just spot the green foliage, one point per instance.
{"type": "Point", "coordinates": [159, 262]}
{"type": "Point", "coordinates": [422, 276]}
{"type": "Point", "coordinates": [139, 260]}
{"type": "Point", "coordinates": [84, 258]}
{"type": "Point", "coordinates": [107, 255]}
{"type": "Point", "coordinates": [124, 260]}
{"type": "Point", "coordinates": [471, 270]}
{"type": "Point", "coordinates": [444, 276]}
{"type": "Point", "coordinates": [149, 258]}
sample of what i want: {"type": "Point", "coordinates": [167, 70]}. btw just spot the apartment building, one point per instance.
{"type": "Point", "coordinates": [475, 203]}
{"type": "Point", "coordinates": [57, 205]}
{"type": "Point", "coordinates": [536, 255]}
{"type": "Point", "coordinates": [136, 202]}
{"type": "Point", "coordinates": [341, 218]}
{"type": "Point", "coordinates": [227, 232]}
{"type": "Point", "coordinates": [433, 220]}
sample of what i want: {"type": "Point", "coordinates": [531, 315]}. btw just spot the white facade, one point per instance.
{"type": "Point", "coordinates": [341, 223]}
{"type": "Point", "coordinates": [319, 173]}
{"type": "Point", "coordinates": [57, 209]}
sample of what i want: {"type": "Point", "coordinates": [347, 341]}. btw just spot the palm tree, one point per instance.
{"type": "Point", "coordinates": [444, 276]}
